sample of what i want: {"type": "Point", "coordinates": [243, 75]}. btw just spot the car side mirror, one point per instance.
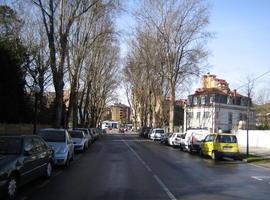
{"type": "Point", "coordinates": [28, 149]}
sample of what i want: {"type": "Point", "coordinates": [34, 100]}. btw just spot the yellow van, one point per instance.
{"type": "Point", "coordinates": [220, 145]}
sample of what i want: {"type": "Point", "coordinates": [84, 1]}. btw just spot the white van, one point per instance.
{"type": "Point", "coordinates": [191, 140]}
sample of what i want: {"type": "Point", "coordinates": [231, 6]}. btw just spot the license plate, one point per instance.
{"type": "Point", "coordinates": [227, 148]}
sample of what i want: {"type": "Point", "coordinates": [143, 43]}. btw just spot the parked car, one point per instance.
{"type": "Point", "coordinates": [62, 144]}
{"type": "Point", "coordinates": [156, 133]}
{"type": "Point", "coordinates": [220, 145]}
{"type": "Point", "coordinates": [165, 137]}
{"type": "Point", "coordinates": [94, 132]}
{"type": "Point", "coordinates": [79, 139]}
{"type": "Point", "coordinates": [191, 140]}
{"type": "Point", "coordinates": [175, 139]}
{"type": "Point", "coordinates": [99, 131]}
{"type": "Point", "coordinates": [121, 130]}
{"type": "Point", "coordinates": [144, 131]}
{"type": "Point", "coordinates": [22, 159]}
{"type": "Point", "coordinates": [88, 134]}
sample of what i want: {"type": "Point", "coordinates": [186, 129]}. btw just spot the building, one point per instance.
{"type": "Point", "coordinates": [215, 106]}
{"type": "Point", "coordinates": [117, 112]}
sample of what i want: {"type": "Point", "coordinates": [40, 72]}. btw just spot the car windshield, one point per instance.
{"type": "Point", "coordinates": [53, 136]}
{"type": "Point", "coordinates": [10, 145]}
{"type": "Point", "coordinates": [84, 130]}
{"type": "Point", "coordinates": [226, 139]}
{"type": "Point", "coordinates": [159, 131]}
{"type": "Point", "coordinates": [76, 134]}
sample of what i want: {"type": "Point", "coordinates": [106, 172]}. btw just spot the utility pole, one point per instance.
{"type": "Point", "coordinates": [248, 113]}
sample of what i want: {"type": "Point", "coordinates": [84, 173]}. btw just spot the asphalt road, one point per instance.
{"type": "Point", "coordinates": [126, 167]}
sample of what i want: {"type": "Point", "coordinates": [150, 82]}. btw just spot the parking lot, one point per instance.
{"type": "Point", "coordinates": [123, 166]}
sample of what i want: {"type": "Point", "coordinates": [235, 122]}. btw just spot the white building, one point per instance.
{"type": "Point", "coordinates": [215, 107]}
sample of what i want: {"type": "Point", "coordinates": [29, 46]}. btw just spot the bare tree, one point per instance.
{"type": "Point", "coordinates": [58, 17]}
{"type": "Point", "coordinates": [180, 26]}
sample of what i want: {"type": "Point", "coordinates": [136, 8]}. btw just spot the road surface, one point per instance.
{"type": "Point", "coordinates": [126, 167]}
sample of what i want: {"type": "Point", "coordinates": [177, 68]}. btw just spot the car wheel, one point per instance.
{"type": "Point", "coordinates": [72, 158]}
{"type": "Point", "coordinates": [48, 172]}
{"type": "Point", "coordinates": [67, 164]}
{"type": "Point", "coordinates": [12, 187]}
{"type": "Point", "coordinates": [181, 148]}
{"type": "Point", "coordinates": [214, 155]}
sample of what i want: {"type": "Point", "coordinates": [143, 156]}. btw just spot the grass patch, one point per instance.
{"type": "Point", "coordinates": [255, 159]}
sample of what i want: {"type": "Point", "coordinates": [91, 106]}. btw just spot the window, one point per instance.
{"type": "Point", "coordinates": [29, 145]}
{"type": "Point", "coordinates": [226, 139]}
{"type": "Point", "coordinates": [217, 115]}
{"type": "Point", "coordinates": [206, 114]}
{"type": "Point", "coordinates": [209, 138]}
{"type": "Point", "coordinates": [198, 115]}
{"type": "Point", "coordinates": [190, 115]}
{"type": "Point", "coordinates": [240, 116]}
{"type": "Point", "coordinates": [230, 117]}
{"type": "Point", "coordinates": [203, 100]}
{"type": "Point", "coordinates": [10, 145]}
{"type": "Point", "coordinates": [38, 145]}
{"type": "Point", "coordinates": [195, 101]}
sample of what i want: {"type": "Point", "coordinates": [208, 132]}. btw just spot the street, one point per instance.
{"type": "Point", "coordinates": [126, 167]}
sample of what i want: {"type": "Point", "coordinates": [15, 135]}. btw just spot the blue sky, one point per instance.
{"type": "Point", "coordinates": [241, 45]}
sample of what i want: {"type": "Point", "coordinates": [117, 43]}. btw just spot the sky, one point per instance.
{"type": "Point", "coordinates": [240, 46]}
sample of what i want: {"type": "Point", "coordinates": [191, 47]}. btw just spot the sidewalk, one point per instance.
{"type": "Point", "coordinates": [262, 161]}
{"type": "Point", "coordinates": [257, 151]}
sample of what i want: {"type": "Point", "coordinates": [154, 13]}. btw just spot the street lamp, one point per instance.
{"type": "Point", "coordinates": [36, 90]}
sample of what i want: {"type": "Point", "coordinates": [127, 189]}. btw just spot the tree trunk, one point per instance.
{"type": "Point", "coordinates": [171, 107]}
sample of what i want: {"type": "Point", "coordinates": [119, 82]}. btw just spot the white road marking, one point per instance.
{"type": "Point", "coordinates": [159, 181]}
{"type": "Point", "coordinates": [164, 187]}
{"type": "Point", "coordinates": [259, 166]}
{"type": "Point", "coordinates": [254, 177]}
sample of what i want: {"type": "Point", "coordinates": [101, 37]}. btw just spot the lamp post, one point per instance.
{"type": "Point", "coordinates": [36, 91]}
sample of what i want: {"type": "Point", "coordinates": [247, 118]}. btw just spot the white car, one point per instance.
{"type": "Point", "coordinates": [79, 139]}
{"type": "Point", "coordinates": [191, 141]}
{"type": "Point", "coordinates": [175, 139]}
{"type": "Point", "coordinates": [156, 133]}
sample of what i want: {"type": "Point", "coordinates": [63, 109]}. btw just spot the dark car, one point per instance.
{"type": "Point", "coordinates": [22, 159]}
{"type": "Point", "coordinates": [144, 131]}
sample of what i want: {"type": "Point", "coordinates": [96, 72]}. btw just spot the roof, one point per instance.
{"type": "Point", "coordinates": [201, 91]}
{"type": "Point", "coordinates": [119, 105]}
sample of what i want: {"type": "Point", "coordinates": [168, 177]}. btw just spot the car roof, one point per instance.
{"type": "Point", "coordinates": [53, 129]}
{"type": "Point", "coordinates": [224, 134]}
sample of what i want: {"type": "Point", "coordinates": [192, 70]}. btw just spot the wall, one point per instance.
{"type": "Point", "coordinates": [219, 113]}
{"type": "Point", "coordinates": [20, 129]}
{"type": "Point", "coordinates": [257, 138]}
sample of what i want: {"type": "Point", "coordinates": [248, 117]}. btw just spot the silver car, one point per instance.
{"type": "Point", "coordinates": [79, 139]}
{"type": "Point", "coordinates": [61, 143]}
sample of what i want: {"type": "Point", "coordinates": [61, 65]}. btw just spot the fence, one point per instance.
{"type": "Point", "coordinates": [19, 129]}
{"type": "Point", "coordinates": [257, 138]}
